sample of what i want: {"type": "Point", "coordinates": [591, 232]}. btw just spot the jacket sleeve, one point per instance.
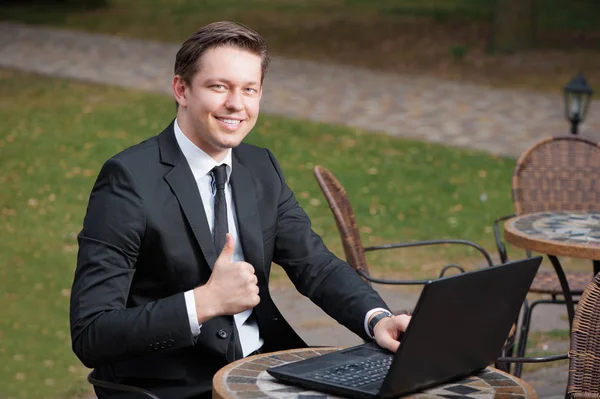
{"type": "Point", "coordinates": [103, 328]}
{"type": "Point", "coordinates": [316, 272]}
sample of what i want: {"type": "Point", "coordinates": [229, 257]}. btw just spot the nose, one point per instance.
{"type": "Point", "coordinates": [234, 101]}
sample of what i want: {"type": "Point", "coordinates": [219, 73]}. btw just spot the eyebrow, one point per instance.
{"type": "Point", "coordinates": [211, 80]}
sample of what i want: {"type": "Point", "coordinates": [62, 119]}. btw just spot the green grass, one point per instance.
{"type": "Point", "coordinates": [55, 135]}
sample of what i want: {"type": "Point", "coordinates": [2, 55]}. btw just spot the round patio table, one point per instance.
{"type": "Point", "coordinates": [561, 233]}
{"type": "Point", "coordinates": [248, 378]}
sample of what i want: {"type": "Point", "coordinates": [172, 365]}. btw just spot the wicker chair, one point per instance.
{"type": "Point", "coordinates": [557, 173]}
{"type": "Point", "coordinates": [584, 353]}
{"type": "Point", "coordinates": [92, 379]}
{"type": "Point", "coordinates": [354, 250]}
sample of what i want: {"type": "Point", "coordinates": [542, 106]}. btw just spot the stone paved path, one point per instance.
{"type": "Point", "coordinates": [498, 121]}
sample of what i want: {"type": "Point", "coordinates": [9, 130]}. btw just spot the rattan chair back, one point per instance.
{"type": "Point", "coordinates": [343, 213]}
{"type": "Point", "coordinates": [584, 355]}
{"type": "Point", "coordinates": [558, 174]}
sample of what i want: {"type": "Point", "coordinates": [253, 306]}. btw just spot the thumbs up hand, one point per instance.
{"type": "Point", "coordinates": [231, 288]}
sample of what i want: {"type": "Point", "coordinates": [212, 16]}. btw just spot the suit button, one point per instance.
{"type": "Point", "coordinates": [222, 334]}
{"type": "Point", "coordinates": [170, 343]}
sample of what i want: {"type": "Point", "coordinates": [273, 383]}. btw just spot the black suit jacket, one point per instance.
{"type": "Point", "coordinates": [145, 241]}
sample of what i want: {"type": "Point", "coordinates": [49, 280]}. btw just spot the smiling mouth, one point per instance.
{"type": "Point", "coordinates": [230, 122]}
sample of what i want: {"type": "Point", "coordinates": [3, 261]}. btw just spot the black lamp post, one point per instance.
{"type": "Point", "coordinates": [577, 100]}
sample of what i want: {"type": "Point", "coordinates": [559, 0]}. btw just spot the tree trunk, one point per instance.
{"type": "Point", "coordinates": [514, 25]}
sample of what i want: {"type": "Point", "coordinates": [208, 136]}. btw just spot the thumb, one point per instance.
{"type": "Point", "coordinates": [227, 252]}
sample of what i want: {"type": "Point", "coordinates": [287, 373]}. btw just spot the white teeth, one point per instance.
{"type": "Point", "coordinates": [230, 121]}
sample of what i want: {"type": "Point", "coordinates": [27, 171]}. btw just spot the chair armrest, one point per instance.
{"type": "Point", "coordinates": [499, 244]}
{"type": "Point", "coordinates": [433, 242]}
{"type": "Point", "coordinates": [451, 266]}
{"type": "Point", "coordinates": [544, 359]}
{"type": "Point", "coordinates": [392, 282]}
{"type": "Point", "coordinates": [119, 387]}
{"type": "Point", "coordinates": [376, 280]}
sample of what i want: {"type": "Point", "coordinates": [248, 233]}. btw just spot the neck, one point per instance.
{"type": "Point", "coordinates": [218, 154]}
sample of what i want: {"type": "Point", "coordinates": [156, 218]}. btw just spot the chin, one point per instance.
{"type": "Point", "coordinates": [227, 144]}
{"type": "Point", "coordinates": [231, 142]}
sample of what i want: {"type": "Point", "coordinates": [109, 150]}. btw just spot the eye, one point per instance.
{"type": "Point", "coordinates": [251, 90]}
{"type": "Point", "coordinates": [219, 87]}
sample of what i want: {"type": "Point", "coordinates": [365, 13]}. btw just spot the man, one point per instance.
{"type": "Point", "coordinates": [174, 256]}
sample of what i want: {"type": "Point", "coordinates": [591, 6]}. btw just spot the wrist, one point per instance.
{"type": "Point", "coordinates": [205, 309]}
{"type": "Point", "coordinates": [376, 318]}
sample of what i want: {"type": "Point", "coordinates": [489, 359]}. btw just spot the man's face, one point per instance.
{"type": "Point", "coordinates": [220, 106]}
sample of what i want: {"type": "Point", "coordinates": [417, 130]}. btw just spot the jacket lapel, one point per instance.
{"type": "Point", "coordinates": [249, 226]}
{"type": "Point", "coordinates": [182, 182]}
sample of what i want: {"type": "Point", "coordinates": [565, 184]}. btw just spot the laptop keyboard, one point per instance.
{"type": "Point", "coordinates": [355, 374]}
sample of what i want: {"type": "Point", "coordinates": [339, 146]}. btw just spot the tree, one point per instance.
{"type": "Point", "coordinates": [513, 25]}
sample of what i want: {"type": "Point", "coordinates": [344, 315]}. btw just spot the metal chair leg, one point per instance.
{"type": "Point", "coordinates": [523, 337]}
{"type": "Point", "coordinates": [526, 324]}
{"type": "Point", "coordinates": [507, 352]}
{"type": "Point", "coordinates": [565, 288]}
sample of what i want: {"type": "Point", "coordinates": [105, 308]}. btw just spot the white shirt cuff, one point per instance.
{"type": "Point", "coordinates": [190, 304]}
{"type": "Point", "coordinates": [368, 316]}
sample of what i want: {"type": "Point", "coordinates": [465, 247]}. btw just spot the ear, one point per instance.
{"type": "Point", "coordinates": [179, 90]}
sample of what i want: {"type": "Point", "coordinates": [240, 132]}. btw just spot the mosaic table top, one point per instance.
{"type": "Point", "coordinates": [566, 233]}
{"type": "Point", "coordinates": [247, 378]}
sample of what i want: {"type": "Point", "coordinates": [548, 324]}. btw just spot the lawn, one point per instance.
{"type": "Point", "coordinates": [442, 38]}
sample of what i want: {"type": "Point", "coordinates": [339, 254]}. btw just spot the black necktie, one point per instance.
{"type": "Point", "coordinates": [220, 228]}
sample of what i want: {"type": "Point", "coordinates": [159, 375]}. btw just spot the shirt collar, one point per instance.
{"type": "Point", "coordinates": [200, 162]}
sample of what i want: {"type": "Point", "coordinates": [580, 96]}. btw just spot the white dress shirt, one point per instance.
{"type": "Point", "coordinates": [201, 165]}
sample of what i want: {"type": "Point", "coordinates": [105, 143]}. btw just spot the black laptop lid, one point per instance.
{"type": "Point", "coordinates": [459, 326]}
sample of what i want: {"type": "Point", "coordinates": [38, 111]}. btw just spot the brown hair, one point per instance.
{"type": "Point", "coordinates": [217, 34]}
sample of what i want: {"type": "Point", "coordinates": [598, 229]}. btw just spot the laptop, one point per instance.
{"type": "Point", "coordinates": [458, 327]}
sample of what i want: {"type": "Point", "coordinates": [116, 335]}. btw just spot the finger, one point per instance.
{"type": "Point", "coordinates": [227, 252]}
{"type": "Point", "coordinates": [401, 322]}
{"type": "Point", "coordinates": [386, 341]}
{"type": "Point", "coordinates": [250, 268]}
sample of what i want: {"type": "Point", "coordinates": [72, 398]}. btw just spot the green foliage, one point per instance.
{"type": "Point", "coordinates": [56, 134]}
{"type": "Point", "coordinates": [458, 51]}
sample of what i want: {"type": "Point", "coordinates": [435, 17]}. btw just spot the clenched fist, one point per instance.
{"type": "Point", "coordinates": [231, 288]}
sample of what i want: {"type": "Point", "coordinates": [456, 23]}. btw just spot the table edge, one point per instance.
{"type": "Point", "coordinates": [541, 245]}
{"type": "Point", "coordinates": [531, 393]}
{"type": "Point", "coordinates": [217, 381]}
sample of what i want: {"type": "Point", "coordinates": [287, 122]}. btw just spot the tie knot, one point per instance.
{"type": "Point", "coordinates": [220, 174]}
